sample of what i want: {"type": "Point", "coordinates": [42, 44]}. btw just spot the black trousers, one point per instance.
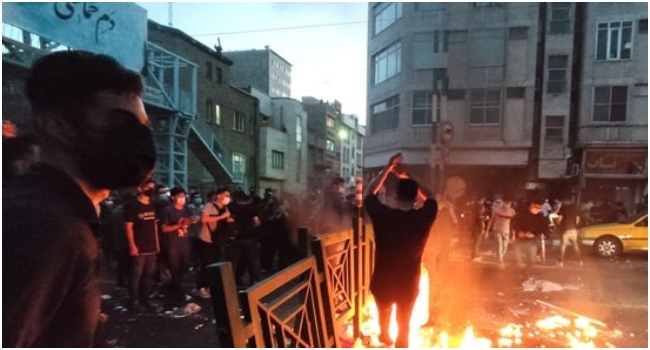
{"type": "Point", "coordinates": [142, 269]}
{"type": "Point", "coordinates": [178, 261]}
{"type": "Point", "coordinates": [208, 254]}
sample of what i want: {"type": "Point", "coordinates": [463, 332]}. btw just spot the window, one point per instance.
{"type": "Point", "coordinates": [485, 106]}
{"type": "Point", "coordinates": [277, 160]}
{"type": "Point", "coordinates": [331, 122]}
{"type": "Point", "coordinates": [219, 75]}
{"type": "Point", "coordinates": [385, 14]}
{"type": "Point", "coordinates": [610, 103]}
{"type": "Point", "coordinates": [560, 18]}
{"type": "Point", "coordinates": [423, 50]}
{"type": "Point", "coordinates": [239, 122]}
{"type": "Point", "coordinates": [614, 41]}
{"type": "Point", "coordinates": [387, 63]}
{"type": "Point", "coordinates": [217, 115]}
{"type": "Point", "coordinates": [557, 69]}
{"type": "Point", "coordinates": [385, 115]}
{"type": "Point", "coordinates": [518, 33]}
{"type": "Point", "coordinates": [329, 145]}
{"type": "Point", "coordinates": [208, 70]}
{"type": "Point", "coordinates": [238, 167]}
{"type": "Point", "coordinates": [421, 108]}
{"type": "Point", "coordinates": [209, 111]}
{"type": "Point", "coordinates": [554, 127]}
{"type": "Point", "coordinates": [298, 132]}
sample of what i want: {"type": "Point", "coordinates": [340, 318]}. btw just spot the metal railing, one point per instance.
{"type": "Point", "coordinates": [308, 304]}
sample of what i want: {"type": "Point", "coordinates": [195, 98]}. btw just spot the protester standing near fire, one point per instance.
{"type": "Point", "coordinates": [400, 236]}
{"type": "Point", "coordinates": [93, 126]}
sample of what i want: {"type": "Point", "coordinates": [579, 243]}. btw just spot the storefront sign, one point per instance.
{"type": "Point", "coordinates": [616, 162]}
{"type": "Point", "coordinates": [118, 29]}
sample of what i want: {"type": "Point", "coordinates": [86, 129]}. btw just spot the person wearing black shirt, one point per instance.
{"type": "Point", "coordinates": [245, 251]}
{"type": "Point", "coordinates": [94, 138]}
{"type": "Point", "coordinates": [400, 236]}
{"type": "Point", "coordinates": [141, 228]}
{"type": "Point", "coordinates": [530, 225]}
{"type": "Point", "coordinates": [175, 222]}
{"type": "Point", "coordinates": [569, 220]}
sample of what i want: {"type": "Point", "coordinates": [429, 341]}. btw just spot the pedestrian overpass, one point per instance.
{"type": "Point", "coordinates": [170, 97]}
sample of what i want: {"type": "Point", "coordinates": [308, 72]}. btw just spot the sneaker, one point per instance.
{"type": "Point", "coordinates": [560, 264]}
{"type": "Point", "coordinates": [476, 259]}
{"type": "Point", "coordinates": [204, 293]}
{"type": "Point", "coordinates": [581, 263]}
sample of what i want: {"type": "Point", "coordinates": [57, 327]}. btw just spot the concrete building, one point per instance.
{"type": "Point", "coordinates": [264, 70]}
{"type": "Point", "coordinates": [514, 85]}
{"type": "Point", "coordinates": [323, 141]}
{"type": "Point", "coordinates": [282, 146]}
{"type": "Point", "coordinates": [351, 134]}
{"type": "Point", "coordinates": [222, 138]}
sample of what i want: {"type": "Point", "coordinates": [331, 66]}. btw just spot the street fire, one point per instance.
{"type": "Point", "coordinates": [554, 330]}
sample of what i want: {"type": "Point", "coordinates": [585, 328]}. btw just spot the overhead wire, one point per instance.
{"type": "Point", "coordinates": [415, 14]}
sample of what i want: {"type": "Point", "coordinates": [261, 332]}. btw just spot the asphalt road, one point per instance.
{"type": "Point", "coordinates": [613, 292]}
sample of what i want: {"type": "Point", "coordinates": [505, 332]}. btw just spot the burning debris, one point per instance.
{"type": "Point", "coordinates": [542, 325]}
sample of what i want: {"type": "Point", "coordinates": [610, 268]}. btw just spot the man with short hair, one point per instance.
{"type": "Point", "coordinates": [400, 236]}
{"type": "Point", "coordinates": [499, 225]}
{"type": "Point", "coordinates": [141, 226]}
{"type": "Point", "coordinates": [175, 222]}
{"type": "Point", "coordinates": [530, 226]}
{"type": "Point", "coordinates": [93, 130]}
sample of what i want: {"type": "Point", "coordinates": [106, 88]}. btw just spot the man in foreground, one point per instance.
{"type": "Point", "coordinates": [93, 130]}
{"type": "Point", "coordinates": [400, 236]}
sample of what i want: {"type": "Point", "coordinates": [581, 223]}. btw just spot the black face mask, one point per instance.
{"type": "Point", "coordinates": [120, 156]}
{"type": "Point", "coordinates": [149, 193]}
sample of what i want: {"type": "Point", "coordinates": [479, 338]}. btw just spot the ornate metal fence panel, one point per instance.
{"type": "Point", "coordinates": [308, 304]}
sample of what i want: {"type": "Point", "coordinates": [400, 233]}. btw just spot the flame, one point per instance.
{"type": "Point", "coordinates": [576, 333]}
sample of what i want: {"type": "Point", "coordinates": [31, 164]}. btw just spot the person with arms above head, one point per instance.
{"type": "Point", "coordinates": [175, 223]}
{"type": "Point", "coordinates": [141, 227]}
{"type": "Point", "coordinates": [568, 221]}
{"type": "Point", "coordinates": [400, 236]}
{"type": "Point", "coordinates": [94, 136]}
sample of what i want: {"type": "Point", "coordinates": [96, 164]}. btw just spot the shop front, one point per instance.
{"type": "Point", "coordinates": [610, 176]}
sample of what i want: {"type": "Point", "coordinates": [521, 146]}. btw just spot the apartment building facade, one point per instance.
{"type": "Point", "coordinates": [263, 69]}
{"type": "Point", "coordinates": [515, 83]}
{"type": "Point", "coordinates": [351, 134]}
{"type": "Point", "coordinates": [222, 138]}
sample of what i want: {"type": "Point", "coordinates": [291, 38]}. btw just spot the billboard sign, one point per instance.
{"type": "Point", "coordinates": [118, 29]}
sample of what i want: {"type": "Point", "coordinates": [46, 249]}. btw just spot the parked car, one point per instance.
{"type": "Point", "coordinates": [609, 240]}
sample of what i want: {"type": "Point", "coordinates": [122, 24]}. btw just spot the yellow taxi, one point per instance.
{"type": "Point", "coordinates": [609, 240]}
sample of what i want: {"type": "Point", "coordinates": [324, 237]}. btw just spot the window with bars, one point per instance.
{"type": "Point", "coordinates": [239, 122]}
{"type": "Point", "coordinates": [614, 41]}
{"type": "Point", "coordinates": [610, 104]}
{"type": "Point", "coordinates": [485, 106]}
{"type": "Point", "coordinates": [557, 74]}
{"type": "Point", "coordinates": [277, 160]}
{"type": "Point", "coordinates": [385, 14]}
{"type": "Point", "coordinates": [554, 127]}
{"type": "Point", "coordinates": [387, 63]}
{"type": "Point", "coordinates": [421, 107]}
{"type": "Point", "coordinates": [560, 18]}
{"type": "Point", "coordinates": [385, 115]}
